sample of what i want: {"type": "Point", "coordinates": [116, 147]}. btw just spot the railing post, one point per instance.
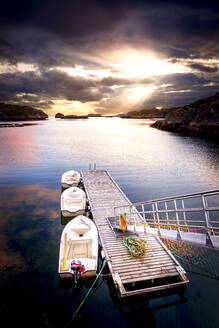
{"type": "Point", "coordinates": [143, 212]}
{"type": "Point", "coordinates": [206, 213]}
{"type": "Point", "coordinates": [158, 218]}
{"type": "Point", "coordinates": [167, 215]}
{"type": "Point", "coordinates": [207, 222]}
{"type": "Point", "coordinates": [177, 221]}
{"type": "Point", "coordinates": [184, 214]}
{"type": "Point", "coordinates": [132, 217]}
{"type": "Point", "coordinates": [154, 216]}
{"type": "Point", "coordinates": [135, 221]}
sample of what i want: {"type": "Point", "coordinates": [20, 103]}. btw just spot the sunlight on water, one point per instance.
{"type": "Point", "coordinates": [147, 163]}
{"type": "Point", "coordinates": [158, 162]}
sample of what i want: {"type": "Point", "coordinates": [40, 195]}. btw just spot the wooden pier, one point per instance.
{"type": "Point", "coordinates": [156, 271]}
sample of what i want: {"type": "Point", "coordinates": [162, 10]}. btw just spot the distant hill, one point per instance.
{"type": "Point", "coordinates": [20, 113]}
{"type": "Point", "coordinates": [94, 115]}
{"type": "Point", "coordinates": [200, 117]}
{"type": "Point", "coordinates": [146, 113]}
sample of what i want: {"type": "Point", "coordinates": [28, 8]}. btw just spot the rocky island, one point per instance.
{"type": "Point", "coordinates": [10, 112]}
{"type": "Point", "coordinates": [200, 118]}
{"type": "Point", "coordinates": [62, 116]}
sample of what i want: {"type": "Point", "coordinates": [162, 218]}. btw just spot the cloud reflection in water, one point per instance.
{"type": "Point", "coordinates": [29, 226]}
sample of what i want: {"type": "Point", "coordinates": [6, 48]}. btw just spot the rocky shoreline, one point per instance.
{"type": "Point", "coordinates": [192, 128]}
{"type": "Point", "coordinates": [15, 125]}
{"type": "Point", "coordinates": [198, 118]}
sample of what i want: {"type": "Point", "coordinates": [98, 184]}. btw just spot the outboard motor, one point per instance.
{"type": "Point", "coordinates": [78, 269]}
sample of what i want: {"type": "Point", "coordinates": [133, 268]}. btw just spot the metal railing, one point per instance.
{"type": "Point", "coordinates": [196, 213]}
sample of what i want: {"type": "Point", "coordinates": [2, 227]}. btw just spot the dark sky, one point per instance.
{"type": "Point", "coordinates": [108, 56]}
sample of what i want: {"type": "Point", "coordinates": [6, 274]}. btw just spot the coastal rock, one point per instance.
{"type": "Point", "coordinates": [59, 115]}
{"type": "Point", "coordinates": [62, 116]}
{"type": "Point", "coordinates": [200, 118]}
{"type": "Point", "coordinates": [10, 112]}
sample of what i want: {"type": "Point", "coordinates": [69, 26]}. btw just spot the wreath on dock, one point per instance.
{"type": "Point", "coordinates": [136, 246]}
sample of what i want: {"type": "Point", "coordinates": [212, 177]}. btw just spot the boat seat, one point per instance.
{"type": "Point", "coordinates": [80, 248]}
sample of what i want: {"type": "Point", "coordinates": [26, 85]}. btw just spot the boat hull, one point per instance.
{"type": "Point", "coordinates": [65, 185]}
{"type": "Point", "coordinates": [73, 202]}
{"type": "Point", "coordinates": [79, 244]}
{"type": "Point", "coordinates": [70, 179]}
{"type": "Point", "coordinates": [69, 275]}
{"type": "Point", "coordinates": [68, 214]}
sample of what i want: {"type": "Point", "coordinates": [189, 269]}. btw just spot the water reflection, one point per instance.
{"type": "Point", "coordinates": [159, 163]}
{"type": "Point", "coordinates": [18, 149]}
{"type": "Point", "coordinates": [27, 215]}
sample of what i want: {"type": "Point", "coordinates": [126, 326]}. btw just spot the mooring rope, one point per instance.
{"type": "Point", "coordinates": [86, 296]}
{"type": "Point", "coordinates": [136, 246]}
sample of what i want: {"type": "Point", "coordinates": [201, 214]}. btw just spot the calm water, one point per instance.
{"type": "Point", "coordinates": [147, 164]}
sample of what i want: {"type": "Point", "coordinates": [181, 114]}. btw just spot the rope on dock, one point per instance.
{"type": "Point", "coordinates": [136, 246]}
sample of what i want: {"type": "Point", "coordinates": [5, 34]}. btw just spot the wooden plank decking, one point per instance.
{"type": "Point", "coordinates": [157, 270]}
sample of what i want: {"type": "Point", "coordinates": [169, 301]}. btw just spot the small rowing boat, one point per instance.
{"type": "Point", "coordinates": [73, 202]}
{"type": "Point", "coordinates": [70, 179]}
{"type": "Point", "coordinates": [78, 254]}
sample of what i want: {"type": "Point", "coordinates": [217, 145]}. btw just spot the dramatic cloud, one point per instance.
{"type": "Point", "coordinates": [108, 56]}
{"type": "Point", "coordinates": [51, 84]}
{"type": "Point", "coordinates": [203, 68]}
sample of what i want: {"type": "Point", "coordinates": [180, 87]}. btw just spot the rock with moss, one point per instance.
{"type": "Point", "coordinates": [10, 112]}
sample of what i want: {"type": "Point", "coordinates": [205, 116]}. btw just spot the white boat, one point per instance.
{"type": "Point", "coordinates": [70, 179]}
{"type": "Point", "coordinates": [73, 202]}
{"type": "Point", "coordinates": [78, 254]}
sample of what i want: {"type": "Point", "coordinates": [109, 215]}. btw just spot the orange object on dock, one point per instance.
{"type": "Point", "coordinates": [123, 223]}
